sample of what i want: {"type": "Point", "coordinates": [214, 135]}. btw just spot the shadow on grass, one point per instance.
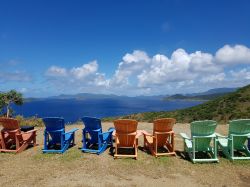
{"type": "Point", "coordinates": [70, 154]}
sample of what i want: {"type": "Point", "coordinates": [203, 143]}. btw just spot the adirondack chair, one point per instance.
{"type": "Point", "coordinates": [202, 134]}
{"type": "Point", "coordinates": [162, 137]}
{"type": "Point", "coordinates": [14, 140]}
{"type": "Point", "coordinates": [239, 131]}
{"type": "Point", "coordinates": [125, 137]}
{"type": "Point", "coordinates": [56, 140]}
{"type": "Point", "coordinates": [93, 136]}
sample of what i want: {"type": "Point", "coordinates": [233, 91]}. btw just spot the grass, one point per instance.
{"type": "Point", "coordinates": [75, 168]}
{"type": "Point", "coordinates": [69, 156]}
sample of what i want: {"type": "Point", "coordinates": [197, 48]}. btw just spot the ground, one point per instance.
{"type": "Point", "coordinates": [74, 168]}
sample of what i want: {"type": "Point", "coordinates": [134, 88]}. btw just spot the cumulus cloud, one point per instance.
{"type": "Point", "coordinates": [181, 67]}
{"type": "Point", "coordinates": [78, 78]}
{"type": "Point", "coordinates": [238, 54]}
{"type": "Point", "coordinates": [214, 78]}
{"type": "Point", "coordinates": [55, 71]}
{"type": "Point", "coordinates": [131, 65]}
{"type": "Point", "coordinates": [138, 73]}
{"type": "Point", "coordinates": [85, 70]}
{"type": "Point", "coordinates": [241, 74]}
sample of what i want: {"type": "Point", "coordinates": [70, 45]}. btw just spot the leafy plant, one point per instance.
{"type": "Point", "coordinates": [8, 98]}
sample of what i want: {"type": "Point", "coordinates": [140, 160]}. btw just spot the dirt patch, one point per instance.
{"type": "Point", "coordinates": [74, 168]}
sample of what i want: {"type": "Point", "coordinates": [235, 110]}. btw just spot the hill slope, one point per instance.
{"type": "Point", "coordinates": [234, 105]}
{"type": "Point", "coordinates": [194, 98]}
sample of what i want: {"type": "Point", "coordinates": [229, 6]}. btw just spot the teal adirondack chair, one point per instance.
{"type": "Point", "coordinates": [239, 131]}
{"type": "Point", "coordinates": [202, 134]}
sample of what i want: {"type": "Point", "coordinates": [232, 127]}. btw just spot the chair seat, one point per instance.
{"type": "Point", "coordinates": [27, 128]}
{"type": "Point", "coordinates": [149, 139]}
{"type": "Point", "coordinates": [223, 142]}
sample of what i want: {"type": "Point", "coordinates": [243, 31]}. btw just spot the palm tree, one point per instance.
{"type": "Point", "coordinates": [6, 99]}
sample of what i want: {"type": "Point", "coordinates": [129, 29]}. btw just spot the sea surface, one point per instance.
{"type": "Point", "coordinates": [73, 109]}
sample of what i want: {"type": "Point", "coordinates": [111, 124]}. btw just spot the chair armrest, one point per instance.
{"type": "Point", "coordinates": [220, 136]}
{"type": "Point", "coordinates": [54, 131]}
{"type": "Point", "coordinates": [111, 129]}
{"type": "Point", "coordinates": [184, 136]}
{"type": "Point", "coordinates": [208, 136]}
{"type": "Point", "coordinates": [169, 132]}
{"type": "Point", "coordinates": [145, 133]}
{"type": "Point", "coordinates": [72, 130]}
{"type": "Point", "coordinates": [105, 133]}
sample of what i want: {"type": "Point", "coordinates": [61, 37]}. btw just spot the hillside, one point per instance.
{"type": "Point", "coordinates": [194, 98]}
{"type": "Point", "coordinates": [234, 105]}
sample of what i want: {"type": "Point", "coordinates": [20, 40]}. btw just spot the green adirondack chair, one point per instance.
{"type": "Point", "coordinates": [202, 135]}
{"type": "Point", "coordinates": [239, 131]}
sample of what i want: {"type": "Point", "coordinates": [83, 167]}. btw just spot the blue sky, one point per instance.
{"type": "Point", "coordinates": [123, 47]}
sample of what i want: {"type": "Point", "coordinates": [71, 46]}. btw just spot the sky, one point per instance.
{"type": "Point", "coordinates": [132, 47]}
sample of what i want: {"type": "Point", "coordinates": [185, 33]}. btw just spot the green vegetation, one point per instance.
{"type": "Point", "coordinates": [8, 98]}
{"type": "Point", "coordinates": [234, 105]}
{"type": "Point", "coordinates": [32, 121]}
{"type": "Point", "coordinates": [195, 98]}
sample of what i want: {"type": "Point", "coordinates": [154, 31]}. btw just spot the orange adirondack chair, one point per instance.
{"type": "Point", "coordinates": [13, 139]}
{"type": "Point", "coordinates": [125, 137]}
{"type": "Point", "coordinates": [162, 137]}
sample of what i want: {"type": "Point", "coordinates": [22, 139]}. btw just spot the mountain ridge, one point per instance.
{"type": "Point", "coordinates": [233, 105]}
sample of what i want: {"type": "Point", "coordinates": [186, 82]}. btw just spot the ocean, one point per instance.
{"type": "Point", "coordinates": [73, 109]}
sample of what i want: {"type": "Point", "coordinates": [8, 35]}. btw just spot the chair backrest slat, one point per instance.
{"type": "Point", "coordinates": [126, 131]}
{"type": "Point", "coordinates": [239, 127]}
{"type": "Point", "coordinates": [9, 124]}
{"type": "Point", "coordinates": [163, 125]}
{"type": "Point", "coordinates": [203, 128]}
{"type": "Point", "coordinates": [54, 124]}
{"type": "Point", "coordinates": [93, 126]}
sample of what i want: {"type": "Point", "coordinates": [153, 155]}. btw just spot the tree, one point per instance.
{"type": "Point", "coordinates": [1, 102]}
{"type": "Point", "coordinates": [6, 99]}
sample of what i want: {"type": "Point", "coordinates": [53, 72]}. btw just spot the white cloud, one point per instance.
{"type": "Point", "coordinates": [214, 78]}
{"type": "Point", "coordinates": [241, 75]}
{"type": "Point", "coordinates": [138, 73]}
{"type": "Point", "coordinates": [55, 71]}
{"type": "Point", "coordinates": [78, 78]}
{"type": "Point", "coordinates": [203, 63]}
{"type": "Point", "coordinates": [131, 65]}
{"type": "Point", "coordinates": [85, 70]}
{"type": "Point", "coordinates": [238, 54]}
{"type": "Point", "coordinates": [182, 67]}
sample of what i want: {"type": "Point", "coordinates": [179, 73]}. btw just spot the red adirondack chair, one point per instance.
{"type": "Point", "coordinates": [13, 139]}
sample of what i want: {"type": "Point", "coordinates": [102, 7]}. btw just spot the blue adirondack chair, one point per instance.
{"type": "Point", "coordinates": [56, 140]}
{"type": "Point", "coordinates": [94, 140]}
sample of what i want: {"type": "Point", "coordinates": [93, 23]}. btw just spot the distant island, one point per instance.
{"type": "Point", "coordinates": [203, 96]}
{"type": "Point", "coordinates": [234, 105]}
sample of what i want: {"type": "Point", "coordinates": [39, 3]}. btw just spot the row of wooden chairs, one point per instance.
{"type": "Point", "coordinates": [125, 135]}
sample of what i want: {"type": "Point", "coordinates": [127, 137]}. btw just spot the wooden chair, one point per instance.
{"type": "Point", "coordinates": [202, 135]}
{"type": "Point", "coordinates": [13, 139]}
{"type": "Point", "coordinates": [56, 140]}
{"type": "Point", "coordinates": [125, 137]}
{"type": "Point", "coordinates": [94, 135]}
{"type": "Point", "coordinates": [236, 140]}
{"type": "Point", "coordinates": [162, 137]}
